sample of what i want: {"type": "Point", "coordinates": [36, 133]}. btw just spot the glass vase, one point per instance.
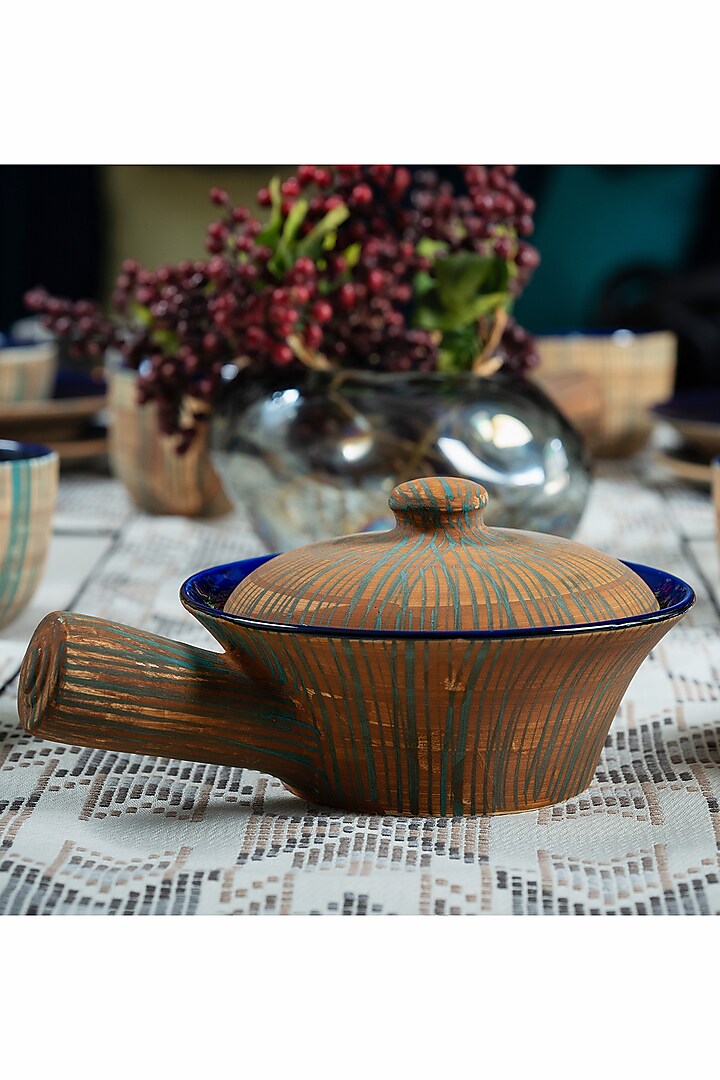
{"type": "Point", "coordinates": [318, 456]}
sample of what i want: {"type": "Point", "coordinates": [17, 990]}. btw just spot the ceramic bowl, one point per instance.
{"type": "Point", "coordinates": [28, 491]}
{"type": "Point", "coordinates": [632, 371]}
{"type": "Point", "coordinates": [27, 372]}
{"type": "Point", "coordinates": [441, 668]}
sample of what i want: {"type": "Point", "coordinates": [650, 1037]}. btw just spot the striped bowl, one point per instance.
{"type": "Point", "coordinates": [435, 723]}
{"type": "Point", "coordinates": [374, 721]}
{"type": "Point", "coordinates": [27, 372]}
{"type": "Point", "coordinates": [28, 491]}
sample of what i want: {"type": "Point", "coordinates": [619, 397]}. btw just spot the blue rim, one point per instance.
{"type": "Point", "coordinates": [19, 451]}
{"type": "Point", "coordinates": [207, 591]}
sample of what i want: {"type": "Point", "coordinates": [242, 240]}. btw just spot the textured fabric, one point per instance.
{"type": "Point", "coordinates": [94, 832]}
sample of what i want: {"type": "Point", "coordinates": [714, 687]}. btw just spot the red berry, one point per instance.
{"type": "Point", "coordinates": [503, 247]}
{"type": "Point", "coordinates": [322, 312]}
{"type": "Point", "coordinates": [305, 266]}
{"type": "Point", "coordinates": [527, 257]}
{"type": "Point", "coordinates": [381, 173]}
{"type": "Point", "coordinates": [347, 297]}
{"type": "Point", "coordinates": [282, 354]}
{"type": "Point", "coordinates": [323, 178]}
{"type": "Point", "coordinates": [362, 195]}
{"type": "Point", "coordinates": [291, 188]}
{"type": "Point", "coordinates": [263, 197]}
{"type": "Point", "coordinates": [376, 280]}
{"type": "Point", "coordinates": [255, 336]}
{"type": "Point", "coordinates": [313, 337]}
{"type": "Point", "coordinates": [402, 179]}
{"type": "Point", "coordinates": [216, 266]}
{"type": "Point", "coordinates": [218, 196]}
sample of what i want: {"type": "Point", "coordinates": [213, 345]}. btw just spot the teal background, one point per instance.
{"type": "Point", "coordinates": [595, 220]}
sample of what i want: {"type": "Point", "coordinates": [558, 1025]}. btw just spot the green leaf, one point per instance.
{"type": "Point", "coordinates": [484, 305]}
{"type": "Point", "coordinates": [458, 350]}
{"type": "Point", "coordinates": [448, 362]}
{"type": "Point", "coordinates": [141, 314]}
{"type": "Point", "coordinates": [352, 254]}
{"type": "Point", "coordinates": [423, 283]}
{"type": "Point", "coordinates": [463, 276]}
{"type": "Point", "coordinates": [284, 257]}
{"type": "Point", "coordinates": [293, 221]}
{"type": "Point", "coordinates": [460, 277]}
{"type": "Point", "coordinates": [270, 235]}
{"type": "Point", "coordinates": [429, 248]}
{"type": "Point", "coordinates": [431, 314]}
{"type": "Point", "coordinates": [312, 244]}
{"type": "Point", "coordinates": [165, 340]}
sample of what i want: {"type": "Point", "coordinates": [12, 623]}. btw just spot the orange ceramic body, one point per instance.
{"type": "Point", "coordinates": [425, 718]}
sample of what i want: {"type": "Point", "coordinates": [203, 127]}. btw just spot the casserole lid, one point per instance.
{"type": "Point", "coordinates": [441, 568]}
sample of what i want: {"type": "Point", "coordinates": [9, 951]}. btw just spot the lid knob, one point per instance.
{"type": "Point", "coordinates": [438, 502]}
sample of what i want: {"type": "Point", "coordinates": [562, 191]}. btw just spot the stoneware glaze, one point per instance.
{"type": "Point", "coordinates": [28, 493]}
{"type": "Point", "coordinates": [442, 668]}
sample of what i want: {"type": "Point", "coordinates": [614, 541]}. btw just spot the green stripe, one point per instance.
{"type": "Point", "coordinates": [14, 563]}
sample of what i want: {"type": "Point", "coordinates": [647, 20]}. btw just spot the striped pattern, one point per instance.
{"type": "Point", "coordinates": [441, 568]}
{"type": "Point", "coordinates": [95, 683]}
{"type": "Point", "coordinates": [160, 480]}
{"type": "Point", "coordinates": [447, 727]}
{"type": "Point", "coordinates": [28, 373]}
{"type": "Point", "coordinates": [450, 727]}
{"type": "Point", "coordinates": [633, 372]}
{"type": "Point", "coordinates": [28, 491]}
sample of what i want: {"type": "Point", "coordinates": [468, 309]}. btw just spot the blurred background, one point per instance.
{"type": "Point", "coordinates": [621, 246]}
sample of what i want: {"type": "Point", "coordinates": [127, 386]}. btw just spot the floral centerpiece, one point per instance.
{"type": "Point", "coordinates": [353, 269]}
{"type": "Point", "coordinates": [356, 267]}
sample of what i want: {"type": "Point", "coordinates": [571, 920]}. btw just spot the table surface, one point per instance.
{"type": "Point", "coordinates": [99, 833]}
